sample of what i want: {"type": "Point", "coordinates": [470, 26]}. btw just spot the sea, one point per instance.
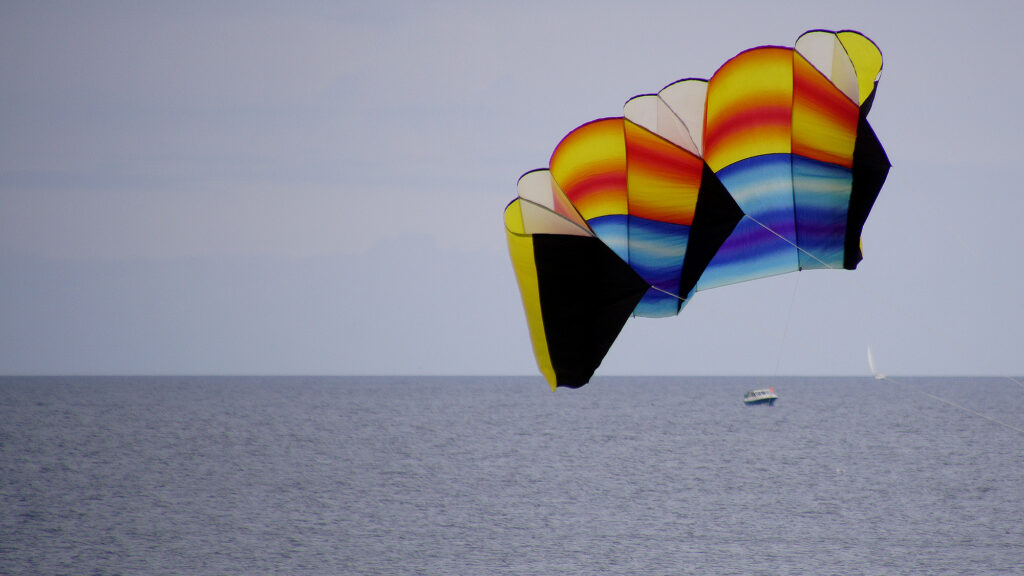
{"type": "Point", "coordinates": [500, 475]}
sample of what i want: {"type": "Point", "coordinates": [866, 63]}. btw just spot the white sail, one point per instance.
{"type": "Point", "coordinates": [871, 364]}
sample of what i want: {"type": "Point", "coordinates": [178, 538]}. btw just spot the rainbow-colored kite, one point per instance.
{"type": "Point", "coordinates": [768, 167]}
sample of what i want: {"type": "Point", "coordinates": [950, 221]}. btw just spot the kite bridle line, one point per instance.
{"type": "Point", "coordinates": [904, 383]}
{"type": "Point", "coordinates": [780, 236]}
{"type": "Point", "coordinates": [919, 390]}
{"type": "Point", "coordinates": [910, 385]}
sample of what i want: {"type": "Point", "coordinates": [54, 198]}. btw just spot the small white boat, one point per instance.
{"type": "Point", "coordinates": [760, 396]}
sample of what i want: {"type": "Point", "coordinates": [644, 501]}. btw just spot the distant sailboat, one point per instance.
{"type": "Point", "coordinates": [871, 364]}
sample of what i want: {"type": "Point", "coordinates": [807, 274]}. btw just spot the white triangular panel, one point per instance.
{"type": "Point", "coordinates": [539, 188]}
{"type": "Point", "coordinates": [826, 53]}
{"type": "Point", "coordinates": [651, 112]}
{"type": "Point", "coordinates": [685, 99]}
{"type": "Point", "coordinates": [540, 220]}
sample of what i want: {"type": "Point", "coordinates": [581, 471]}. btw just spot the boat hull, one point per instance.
{"type": "Point", "coordinates": [760, 396]}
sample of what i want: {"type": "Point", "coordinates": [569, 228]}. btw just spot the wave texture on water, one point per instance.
{"type": "Point", "coordinates": [490, 475]}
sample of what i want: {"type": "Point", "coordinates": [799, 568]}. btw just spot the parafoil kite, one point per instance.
{"type": "Point", "coordinates": [769, 167]}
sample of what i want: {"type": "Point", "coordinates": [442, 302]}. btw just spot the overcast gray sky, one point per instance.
{"type": "Point", "coordinates": [317, 188]}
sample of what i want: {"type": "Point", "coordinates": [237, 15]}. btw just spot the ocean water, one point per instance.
{"type": "Point", "coordinates": [501, 476]}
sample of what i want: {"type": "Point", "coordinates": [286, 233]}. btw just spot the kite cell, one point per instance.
{"type": "Point", "coordinates": [768, 167]}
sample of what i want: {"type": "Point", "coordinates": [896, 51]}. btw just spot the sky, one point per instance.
{"type": "Point", "coordinates": [318, 187]}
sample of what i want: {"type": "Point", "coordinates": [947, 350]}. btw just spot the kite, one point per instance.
{"type": "Point", "coordinates": [768, 167]}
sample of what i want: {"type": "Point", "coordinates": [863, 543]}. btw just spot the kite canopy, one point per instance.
{"type": "Point", "coordinates": [769, 167]}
